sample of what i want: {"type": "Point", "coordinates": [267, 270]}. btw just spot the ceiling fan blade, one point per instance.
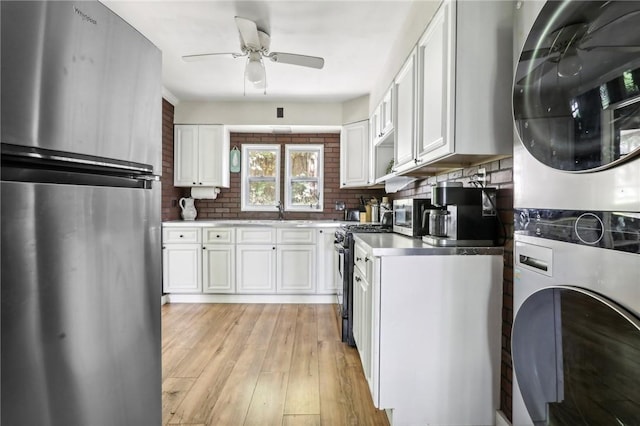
{"type": "Point", "coordinates": [248, 33]}
{"type": "Point", "coordinates": [294, 59]}
{"type": "Point", "coordinates": [207, 56]}
{"type": "Point", "coordinates": [535, 54]}
{"type": "Point", "coordinates": [623, 49]}
{"type": "Point", "coordinates": [535, 74]}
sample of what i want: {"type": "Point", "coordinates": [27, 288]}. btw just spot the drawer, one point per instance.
{"type": "Point", "coordinates": [296, 235]}
{"type": "Point", "coordinates": [180, 235]}
{"type": "Point", "coordinates": [218, 236]}
{"type": "Point", "coordinates": [363, 261]}
{"type": "Point", "coordinates": [258, 235]}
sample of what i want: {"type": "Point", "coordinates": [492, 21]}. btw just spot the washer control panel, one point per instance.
{"type": "Point", "coordinates": [604, 229]}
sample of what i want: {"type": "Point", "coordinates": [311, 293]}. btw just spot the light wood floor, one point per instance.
{"type": "Point", "coordinates": [251, 364]}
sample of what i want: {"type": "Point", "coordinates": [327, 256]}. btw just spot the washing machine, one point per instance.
{"type": "Point", "coordinates": [576, 104]}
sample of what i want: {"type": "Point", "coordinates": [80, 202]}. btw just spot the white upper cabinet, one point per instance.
{"type": "Point", "coordinates": [354, 155]}
{"type": "Point", "coordinates": [465, 79]}
{"type": "Point", "coordinates": [201, 155]}
{"type": "Point", "coordinates": [382, 119]}
{"type": "Point", "coordinates": [434, 56]}
{"type": "Point", "coordinates": [405, 97]}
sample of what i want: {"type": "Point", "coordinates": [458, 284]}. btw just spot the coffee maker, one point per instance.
{"type": "Point", "coordinates": [463, 217]}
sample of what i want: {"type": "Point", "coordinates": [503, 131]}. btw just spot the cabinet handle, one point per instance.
{"type": "Point", "coordinates": [217, 236]}
{"type": "Point", "coordinates": [200, 183]}
{"type": "Point", "coordinates": [344, 183]}
{"type": "Point", "coordinates": [366, 259]}
{"type": "Point", "coordinates": [194, 183]}
{"type": "Point", "coordinates": [204, 248]}
{"type": "Point", "coordinates": [321, 231]}
{"type": "Point", "coordinates": [273, 248]}
{"type": "Point", "coordinates": [358, 259]}
{"type": "Point", "coordinates": [164, 247]}
{"type": "Point", "coordinates": [358, 279]}
{"type": "Point", "coordinates": [181, 236]}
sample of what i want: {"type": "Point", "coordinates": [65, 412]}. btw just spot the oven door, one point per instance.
{"type": "Point", "coordinates": [339, 275]}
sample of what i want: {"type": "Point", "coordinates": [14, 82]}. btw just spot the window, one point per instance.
{"type": "Point", "coordinates": [304, 177]}
{"type": "Point", "coordinates": [260, 177]}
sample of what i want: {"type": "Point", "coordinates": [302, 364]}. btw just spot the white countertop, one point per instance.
{"type": "Point", "coordinates": [255, 222]}
{"type": "Point", "coordinates": [392, 244]}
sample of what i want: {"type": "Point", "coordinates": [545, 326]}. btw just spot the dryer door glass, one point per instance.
{"type": "Point", "coordinates": [577, 85]}
{"type": "Point", "coordinates": [576, 356]}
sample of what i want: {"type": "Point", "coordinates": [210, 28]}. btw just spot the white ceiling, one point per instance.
{"type": "Point", "coordinates": [355, 37]}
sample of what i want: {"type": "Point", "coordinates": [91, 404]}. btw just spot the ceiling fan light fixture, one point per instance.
{"type": "Point", "coordinates": [254, 72]}
{"type": "Point", "coordinates": [569, 64]}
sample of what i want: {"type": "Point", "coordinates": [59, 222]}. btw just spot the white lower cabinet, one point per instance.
{"type": "Point", "coordinates": [249, 260]}
{"type": "Point", "coordinates": [218, 260]}
{"type": "Point", "coordinates": [182, 268]}
{"type": "Point", "coordinates": [327, 279]}
{"type": "Point", "coordinates": [296, 268]}
{"type": "Point", "coordinates": [428, 333]}
{"type": "Point", "coordinates": [256, 268]}
{"type": "Point", "coordinates": [181, 260]}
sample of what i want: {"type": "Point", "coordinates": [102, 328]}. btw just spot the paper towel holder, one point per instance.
{"type": "Point", "coordinates": [204, 192]}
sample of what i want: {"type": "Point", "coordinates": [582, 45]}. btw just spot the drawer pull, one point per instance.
{"type": "Point", "coordinates": [217, 236]}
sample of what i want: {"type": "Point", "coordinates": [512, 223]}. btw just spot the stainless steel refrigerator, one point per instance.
{"type": "Point", "coordinates": [81, 252]}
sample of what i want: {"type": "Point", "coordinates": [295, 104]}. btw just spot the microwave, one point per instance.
{"type": "Point", "coordinates": [409, 215]}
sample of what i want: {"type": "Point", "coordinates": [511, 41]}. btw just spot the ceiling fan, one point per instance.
{"type": "Point", "coordinates": [564, 45]}
{"type": "Point", "coordinates": [254, 44]}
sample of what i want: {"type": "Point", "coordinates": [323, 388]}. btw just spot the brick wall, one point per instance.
{"type": "Point", "coordinates": [227, 205]}
{"type": "Point", "coordinates": [170, 194]}
{"type": "Point", "coordinates": [500, 174]}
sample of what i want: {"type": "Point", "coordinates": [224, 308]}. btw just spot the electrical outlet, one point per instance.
{"type": "Point", "coordinates": [482, 176]}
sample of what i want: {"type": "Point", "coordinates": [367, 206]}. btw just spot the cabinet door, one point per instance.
{"type": "Point", "coordinates": [218, 269]}
{"type": "Point", "coordinates": [181, 267]}
{"type": "Point", "coordinates": [213, 158]}
{"type": "Point", "coordinates": [296, 268]}
{"type": "Point", "coordinates": [327, 273]}
{"type": "Point", "coordinates": [256, 268]}
{"type": "Point", "coordinates": [434, 54]}
{"type": "Point", "coordinates": [185, 155]}
{"type": "Point", "coordinates": [354, 154]}
{"type": "Point", "coordinates": [405, 90]}
{"type": "Point", "coordinates": [386, 113]}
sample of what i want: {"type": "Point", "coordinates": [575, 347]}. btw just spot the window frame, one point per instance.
{"type": "Point", "coordinates": [246, 179]}
{"type": "Point", "coordinates": [289, 180]}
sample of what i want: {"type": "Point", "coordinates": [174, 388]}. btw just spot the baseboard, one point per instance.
{"type": "Point", "coordinates": [164, 299]}
{"type": "Point", "coordinates": [251, 298]}
{"type": "Point", "coordinates": [501, 419]}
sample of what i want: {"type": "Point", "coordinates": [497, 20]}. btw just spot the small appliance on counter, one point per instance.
{"type": "Point", "coordinates": [408, 216]}
{"type": "Point", "coordinates": [461, 216]}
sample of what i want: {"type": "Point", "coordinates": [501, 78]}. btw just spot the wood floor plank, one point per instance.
{"type": "Point", "coordinates": [327, 323]}
{"type": "Point", "coordinates": [261, 365]}
{"type": "Point", "coordinates": [198, 404]}
{"type": "Point", "coordinates": [267, 404]}
{"type": "Point", "coordinates": [301, 420]}
{"type": "Point", "coordinates": [303, 391]}
{"type": "Point", "coordinates": [278, 358]}
{"type": "Point", "coordinates": [211, 336]}
{"type": "Point", "coordinates": [173, 392]}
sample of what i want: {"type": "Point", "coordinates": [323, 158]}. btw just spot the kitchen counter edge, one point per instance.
{"type": "Point", "coordinates": [392, 244]}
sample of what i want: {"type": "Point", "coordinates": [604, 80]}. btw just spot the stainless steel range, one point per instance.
{"type": "Point", "coordinates": [344, 247]}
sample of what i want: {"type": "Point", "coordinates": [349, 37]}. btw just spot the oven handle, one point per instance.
{"type": "Point", "coordinates": [339, 247]}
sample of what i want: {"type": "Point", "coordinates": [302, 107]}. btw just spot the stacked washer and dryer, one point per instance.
{"type": "Point", "coordinates": [576, 330]}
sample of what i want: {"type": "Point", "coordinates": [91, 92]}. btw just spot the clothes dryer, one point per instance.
{"type": "Point", "coordinates": [576, 212]}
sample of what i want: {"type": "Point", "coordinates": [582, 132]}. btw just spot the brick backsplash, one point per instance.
{"type": "Point", "coordinates": [227, 205]}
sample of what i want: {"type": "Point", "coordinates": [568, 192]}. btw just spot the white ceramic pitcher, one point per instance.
{"type": "Point", "coordinates": [188, 207]}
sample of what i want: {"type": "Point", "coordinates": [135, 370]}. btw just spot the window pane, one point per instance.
{"type": "Point", "coordinates": [304, 193]}
{"type": "Point", "coordinates": [262, 163]}
{"type": "Point", "coordinates": [262, 193]}
{"type": "Point", "coordinates": [304, 164]}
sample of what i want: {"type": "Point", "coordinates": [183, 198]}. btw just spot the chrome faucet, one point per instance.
{"type": "Point", "coordinates": [280, 207]}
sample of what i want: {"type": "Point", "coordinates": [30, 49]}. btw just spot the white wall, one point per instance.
{"type": "Point", "coordinates": [355, 110]}
{"type": "Point", "coordinates": [259, 113]}
{"type": "Point", "coordinates": [421, 13]}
